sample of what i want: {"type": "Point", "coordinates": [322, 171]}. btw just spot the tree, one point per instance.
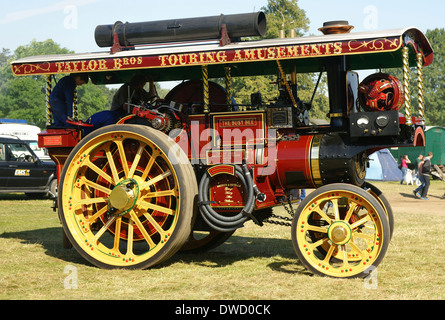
{"type": "Point", "coordinates": [285, 15]}
{"type": "Point", "coordinates": [25, 97]}
{"type": "Point", "coordinates": [434, 79]}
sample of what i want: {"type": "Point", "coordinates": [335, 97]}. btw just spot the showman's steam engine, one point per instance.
{"type": "Point", "coordinates": [186, 171]}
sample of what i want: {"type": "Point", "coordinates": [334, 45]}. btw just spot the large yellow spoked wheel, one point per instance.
{"type": "Point", "coordinates": [126, 197]}
{"type": "Point", "coordinates": [340, 230]}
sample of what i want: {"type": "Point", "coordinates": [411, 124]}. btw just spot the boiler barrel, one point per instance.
{"type": "Point", "coordinates": [316, 160]}
{"type": "Point", "coordinates": [191, 29]}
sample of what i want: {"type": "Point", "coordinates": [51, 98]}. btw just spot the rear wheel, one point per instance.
{"type": "Point", "coordinates": [378, 194]}
{"type": "Point", "coordinates": [340, 230]}
{"type": "Point", "coordinates": [125, 199]}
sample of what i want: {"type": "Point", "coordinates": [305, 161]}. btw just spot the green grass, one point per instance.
{"type": "Point", "coordinates": [255, 263]}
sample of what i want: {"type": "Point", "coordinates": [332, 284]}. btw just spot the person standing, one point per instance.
{"type": "Point", "coordinates": [418, 161]}
{"type": "Point", "coordinates": [419, 176]}
{"type": "Point", "coordinates": [404, 168]}
{"type": "Point", "coordinates": [426, 171]}
{"type": "Point", "coordinates": [62, 97]}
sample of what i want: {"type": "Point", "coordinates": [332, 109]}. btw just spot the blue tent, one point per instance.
{"type": "Point", "coordinates": [383, 166]}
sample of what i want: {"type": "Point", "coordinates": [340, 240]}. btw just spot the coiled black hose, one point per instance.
{"type": "Point", "coordinates": [221, 222]}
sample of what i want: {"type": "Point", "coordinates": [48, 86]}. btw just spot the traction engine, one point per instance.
{"type": "Point", "coordinates": [185, 172]}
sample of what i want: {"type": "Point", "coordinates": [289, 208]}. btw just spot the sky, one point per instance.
{"type": "Point", "coordinates": [71, 23]}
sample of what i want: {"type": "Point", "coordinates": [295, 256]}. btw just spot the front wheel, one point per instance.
{"type": "Point", "coordinates": [340, 230]}
{"type": "Point", "coordinates": [126, 197]}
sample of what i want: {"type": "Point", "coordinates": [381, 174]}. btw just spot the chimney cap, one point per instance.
{"type": "Point", "coordinates": [336, 27]}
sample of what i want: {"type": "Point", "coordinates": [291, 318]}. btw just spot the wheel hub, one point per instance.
{"type": "Point", "coordinates": [339, 233]}
{"type": "Point", "coordinates": [123, 197]}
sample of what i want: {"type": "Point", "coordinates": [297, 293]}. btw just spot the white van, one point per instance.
{"type": "Point", "coordinates": [25, 132]}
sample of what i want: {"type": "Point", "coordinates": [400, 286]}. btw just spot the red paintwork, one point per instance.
{"type": "Point", "coordinates": [59, 143]}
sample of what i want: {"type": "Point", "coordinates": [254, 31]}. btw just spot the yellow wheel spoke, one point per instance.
{"type": "Point", "coordinates": [364, 236]}
{"type": "Point", "coordinates": [112, 166]}
{"type": "Point", "coordinates": [351, 210]}
{"type": "Point", "coordinates": [345, 256]}
{"type": "Point", "coordinates": [317, 229]}
{"type": "Point", "coordinates": [329, 253]}
{"type": "Point", "coordinates": [94, 217]}
{"type": "Point", "coordinates": [150, 163]}
{"type": "Point", "coordinates": [90, 201]}
{"type": "Point", "coordinates": [98, 170]}
{"type": "Point", "coordinates": [360, 222]}
{"type": "Point", "coordinates": [158, 194]}
{"type": "Point", "coordinates": [355, 248]}
{"type": "Point", "coordinates": [318, 243]}
{"type": "Point", "coordinates": [123, 157]}
{"type": "Point", "coordinates": [136, 160]}
{"type": "Point", "coordinates": [117, 234]}
{"type": "Point", "coordinates": [155, 224]}
{"type": "Point", "coordinates": [323, 215]}
{"type": "Point", "coordinates": [156, 179]}
{"type": "Point", "coordinates": [95, 186]}
{"type": "Point", "coordinates": [335, 208]}
{"type": "Point", "coordinates": [142, 229]}
{"type": "Point", "coordinates": [103, 229]}
{"type": "Point", "coordinates": [130, 236]}
{"type": "Point", "coordinates": [148, 205]}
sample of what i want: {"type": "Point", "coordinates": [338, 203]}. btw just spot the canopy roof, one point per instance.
{"type": "Point", "coordinates": [181, 61]}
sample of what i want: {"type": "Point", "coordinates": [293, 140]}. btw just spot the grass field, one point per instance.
{"type": "Point", "coordinates": [256, 263]}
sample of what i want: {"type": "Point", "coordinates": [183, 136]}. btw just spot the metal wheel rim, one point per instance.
{"type": "Point", "coordinates": [84, 200]}
{"type": "Point", "coordinates": [362, 245]}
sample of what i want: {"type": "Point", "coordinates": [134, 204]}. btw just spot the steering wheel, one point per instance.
{"type": "Point", "coordinates": [21, 157]}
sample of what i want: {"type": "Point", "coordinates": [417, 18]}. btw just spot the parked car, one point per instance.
{"type": "Point", "coordinates": [22, 171]}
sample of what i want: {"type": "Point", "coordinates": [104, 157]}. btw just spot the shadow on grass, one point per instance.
{"type": "Point", "coordinates": [236, 248]}
{"type": "Point", "coordinates": [242, 248]}
{"type": "Point", "coordinates": [51, 240]}
{"type": "Point", "coordinates": [408, 195]}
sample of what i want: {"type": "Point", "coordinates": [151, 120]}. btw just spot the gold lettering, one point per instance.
{"type": "Point", "coordinates": [92, 64]}
{"type": "Point", "coordinates": [201, 57]}
{"type": "Point", "coordinates": [67, 68]}
{"type": "Point", "coordinates": [315, 49]}
{"type": "Point", "coordinates": [271, 53]}
{"type": "Point", "coordinates": [75, 65]}
{"type": "Point", "coordinates": [337, 48]}
{"type": "Point", "coordinates": [117, 63]}
{"type": "Point", "coordinates": [102, 64]}
{"type": "Point", "coordinates": [193, 58]}
{"type": "Point", "coordinates": [84, 66]}
{"type": "Point", "coordinates": [281, 52]}
{"type": "Point", "coordinates": [59, 66]}
{"type": "Point", "coordinates": [292, 51]}
{"type": "Point", "coordinates": [125, 61]}
{"type": "Point", "coordinates": [183, 59]}
{"type": "Point", "coordinates": [133, 60]}
{"type": "Point", "coordinates": [139, 60]}
{"type": "Point", "coordinates": [249, 54]}
{"type": "Point", "coordinates": [163, 60]}
{"type": "Point", "coordinates": [238, 56]}
{"type": "Point", "coordinates": [173, 59]}
{"type": "Point", "coordinates": [221, 56]}
{"type": "Point", "coordinates": [259, 53]}
{"type": "Point", "coordinates": [328, 48]}
{"type": "Point", "coordinates": [211, 57]}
